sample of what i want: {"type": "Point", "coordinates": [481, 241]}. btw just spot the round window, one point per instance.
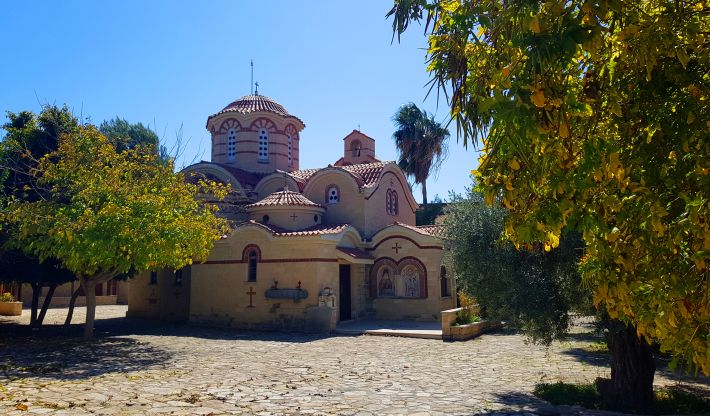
{"type": "Point", "coordinates": [315, 218]}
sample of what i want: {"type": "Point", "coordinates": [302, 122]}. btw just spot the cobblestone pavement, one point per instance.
{"type": "Point", "coordinates": [142, 367]}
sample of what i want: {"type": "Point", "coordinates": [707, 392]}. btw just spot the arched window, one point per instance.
{"type": "Point", "coordinates": [231, 144]}
{"type": "Point", "coordinates": [356, 148]}
{"type": "Point", "coordinates": [290, 151]}
{"type": "Point", "coordinates": [444, 283]}
{"type": "Point", "coordinates": [252, 256]}
{"type": "Point", "coordinates": [263, 145]}
{"type": "Point", "coordinates": [332, 195]}
{"type": "Point", "coordinates": [391, 202]}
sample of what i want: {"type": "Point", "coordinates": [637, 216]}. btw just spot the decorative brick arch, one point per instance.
{"type": "Point", "coordinates": [412, 263]}
{"type": "Point", "coordinates": [405, 265]}
{"type": "Point", "coordinates": [376, 271]}
{"type": "Point", "coordinates": [263, 123]}
{"type": "Point", "coordinates": [248, 249]}
{"type": "Point", "coordinates": [228, 124]}
{"type": "Point", "coordinates": [251, 267]}
{"type": "Point", "coordinates": [291, 131]}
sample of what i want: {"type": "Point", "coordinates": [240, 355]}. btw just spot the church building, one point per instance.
{"type": "Point", "coordinates": [308, 247]}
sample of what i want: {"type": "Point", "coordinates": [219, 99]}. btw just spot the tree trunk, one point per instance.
{"type": "Point", "coordinates": [36, 292]}
{"type": "Point", "coordinates": [45, 304]}
{"type": "Point", "coordinates": [89, 286]}
{"type": "Point", "coordinates": [632, 369]}
{"type": "Point", "coordinates": [424, 194]}
{"type": "Point", "coordinates": [72, 302]}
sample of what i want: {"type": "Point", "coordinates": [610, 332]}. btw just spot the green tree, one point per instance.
{"type": "Point", "coordinates": [532, 290]}
{"type": "Point", "coordinates": [593, 115]}
{"type": "Point", "coordinates": [28, 138]}
{"type": "Point", "coordinates": [16, 266]}
{"type": "Point", "coordinates": [421, 144]}
{"type": "Point", "coordinates": [111, 213]}
{"type": "Point", "coordinates": [125, 136]}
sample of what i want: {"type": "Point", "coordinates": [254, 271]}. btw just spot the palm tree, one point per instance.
{"type": "Point", "coordinates": [421, 144]}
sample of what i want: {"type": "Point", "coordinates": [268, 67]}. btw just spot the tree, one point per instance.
{"type": "Point", "coordinates": [113, 212]}
{"type": "Point", "coordinates": [16, 266]}
{"type": "Point", "coordinates": [593, 116]}
{"type": "Point", "coordinates": [421, 143]}
{"type": "Point", "coordinates": [125, 136]}
{"type": "Point", "coordinates": [532, 290]}
{"type": "Point", "coordinates": [30, 137]}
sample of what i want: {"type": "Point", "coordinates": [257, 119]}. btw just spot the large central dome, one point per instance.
{"type": "Point", "coordinates": [255, 103]}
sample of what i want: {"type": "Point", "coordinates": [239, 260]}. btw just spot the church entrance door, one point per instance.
{"type": "Point", "coordinates": [345, 302]}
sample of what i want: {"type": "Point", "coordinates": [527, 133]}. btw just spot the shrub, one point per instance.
{"type": "Point", "coordinates": [469, 312]}
{"type": "Point", "coordinates": [7, 297]}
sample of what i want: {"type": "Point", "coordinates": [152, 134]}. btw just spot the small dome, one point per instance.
{"type": "Point", "coordinates": [285, 198]}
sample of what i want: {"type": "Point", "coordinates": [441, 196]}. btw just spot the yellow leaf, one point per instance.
{"type": "Point", "coordinates": [538, 98]}
{"type": "Point", "coordinates": [508, 185]}
{"type": "Point", "coordinates": [564, 129]}
{"type": "Point", "coordinates": [554, 239]}
{"type": "Point", "coordinates": [21, 407]}
{"type": "Point", "coordinates": [514, 164]}
{"type": "Point", "coordinates": [535, 25]}
{"type": "Point", "coordinates": [613, 235]}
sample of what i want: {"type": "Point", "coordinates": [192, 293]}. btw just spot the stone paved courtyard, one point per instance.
{"type": "Point", "coordinates": [141, 367]}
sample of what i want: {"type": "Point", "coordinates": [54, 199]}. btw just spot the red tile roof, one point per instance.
{"type": "Point", "coordinates": [436, 230]}
{"type": "Point", "coordinates": [320, 229]}
{"type": "Point", "coordinates": [366, 174]}
{"type": "Point", "coordinates": [356, 253]}
{"type": "Point", "coordinates": [433, 230]}
{"type": "Point", "coordinates": [285, 198]}
{"type": "Point", "coordinates": [255, 103]}
{"type": "Point", "coordinates": [244, 177]}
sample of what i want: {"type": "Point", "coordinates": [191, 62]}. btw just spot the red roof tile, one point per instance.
{"type": "Point", "coordinates": [356, 253]}
{"type": "Point", "coordinates": [366, 174]}
{"type": "Point", "coordinates": [255, 103]}
{"type": "Point", "coordinates": [320, 229]}
{"type": "Point", "coordinates": [285, 198]}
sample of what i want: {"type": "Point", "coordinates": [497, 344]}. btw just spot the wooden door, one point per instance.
{"type": "Point", "coordinates": [345, 293]}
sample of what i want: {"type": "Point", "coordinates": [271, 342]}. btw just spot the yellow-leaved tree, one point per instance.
{"type": "Point", "coordinates": [107, 213]}
{"type": "Point", "coordinates": [594, 115]}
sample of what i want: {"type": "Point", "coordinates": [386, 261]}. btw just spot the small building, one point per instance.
{"type": "Point", "coordinates": [308, 247]}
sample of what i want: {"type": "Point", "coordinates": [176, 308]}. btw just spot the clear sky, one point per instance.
{"type": "Point", "coordinates": [173, 63]}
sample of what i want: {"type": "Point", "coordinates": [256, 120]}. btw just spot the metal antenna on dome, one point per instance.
{"type": "Point", "coordinates": [256, 90]}
{"type": "Point", "coordinates": [251, 83]}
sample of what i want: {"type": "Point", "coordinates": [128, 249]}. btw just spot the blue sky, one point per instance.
{"type": "Point", "coordinates": [173, 63]}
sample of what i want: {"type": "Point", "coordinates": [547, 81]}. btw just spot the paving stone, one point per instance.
{"type": "Point", "coordinates": [143, 367]}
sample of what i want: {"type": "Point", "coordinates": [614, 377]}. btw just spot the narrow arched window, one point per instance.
{"type": "Point", "coordinates": [395, 203]}
{"type": "Point", "coordinates": [231, 144]}
{"type": "Point", "coordinates": [391, 202]}
{"type": "Point", "coordinates": [444, 283]}
{"type": "Point", "coordinates": [332, 195]}
{"type": "Point", "coordinates": [253, 260]}
{"type": "Point", "coordinates": [290, 151]}
{"type": "Point", "coordinates": [356, 148]}
{"type": "Point", "coordinates": [263, 145]}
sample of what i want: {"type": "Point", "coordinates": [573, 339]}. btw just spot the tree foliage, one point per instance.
{"type": "Point", "coordinates": [110, 212]}
{"type": "Point", "coordinates": [593, 115]}
{"type": "Point", "coordinates": [421, 143]}
{"type": "Point", "coordinates": [125, 136]}
{"type": "Point", "coordinates": [533, 290]}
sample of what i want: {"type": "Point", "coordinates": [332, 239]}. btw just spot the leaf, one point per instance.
{"type": "Point", "coordinates": [514, 164]}
{"type": "Point", "coordinates": [21, 407]}
{"type": "Point", "coordinates": [538, 98]}
{"type": "Point", "coordinates": [535, 25]}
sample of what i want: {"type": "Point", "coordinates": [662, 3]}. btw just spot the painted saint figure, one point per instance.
{"type": "Point", "coordinates": [386, 288]}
